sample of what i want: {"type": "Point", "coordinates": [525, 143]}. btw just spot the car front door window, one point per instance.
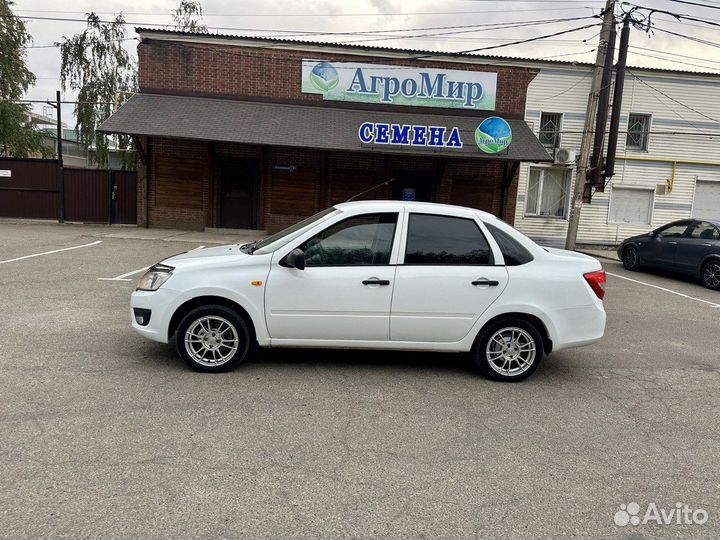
{"type": "Point", "coordinates": [357, 241]}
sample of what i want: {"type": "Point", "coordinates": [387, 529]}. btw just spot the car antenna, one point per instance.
{"type": "Point", "coordinates": [368, 190]}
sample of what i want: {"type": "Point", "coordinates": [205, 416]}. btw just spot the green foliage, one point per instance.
{"type": "Point", "coordinates": [96, 65]}
{"type": "Point", "coordinates": [187, 17]}
{"type": "Point", "coordinates": [18, 137]}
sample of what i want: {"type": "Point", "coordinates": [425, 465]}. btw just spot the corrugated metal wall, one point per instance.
{"type": "Point", "coordinates": [31, 192]}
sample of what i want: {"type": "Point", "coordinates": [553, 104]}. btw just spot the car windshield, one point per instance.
{"type": "Point", "coordinates": [278, 240]}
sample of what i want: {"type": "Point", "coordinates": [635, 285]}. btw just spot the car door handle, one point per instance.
{"type": "Point", "coordinates": [492, 283]}
{"type": "Point", "coordinates": [708, 244]}
{"type": "Point", "coordinates": [374, 281]}
{"type": "Point", "coordinates": [672, 243]}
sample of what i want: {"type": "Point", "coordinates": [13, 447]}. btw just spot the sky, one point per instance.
{"type": "Point", "coordinates": [297, 18]}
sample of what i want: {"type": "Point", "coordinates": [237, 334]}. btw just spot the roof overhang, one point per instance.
{"type": "Point", "coordinates": [318, 127]}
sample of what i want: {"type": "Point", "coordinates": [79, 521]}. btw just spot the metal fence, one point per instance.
{"type": "Point", "coordinates": [30, 188]}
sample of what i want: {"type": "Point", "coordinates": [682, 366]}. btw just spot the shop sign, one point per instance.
{"type": "Point", "coordinates": [492, 136]}
{"type": "Point", "coordinates": [407, 135]}
{"type": "Point", "coordinates": [400, 85]}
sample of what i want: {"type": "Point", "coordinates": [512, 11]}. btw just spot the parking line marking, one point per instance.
{"type": "Point", "coordinates": [51, 252]}
{"type": "Point", "coordinates": [126, 276]}
{"type": "Point", "coordinates": [712, 304]}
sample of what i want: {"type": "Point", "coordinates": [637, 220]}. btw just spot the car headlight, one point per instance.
{"type": "Point", "coordinates": [154, 277]}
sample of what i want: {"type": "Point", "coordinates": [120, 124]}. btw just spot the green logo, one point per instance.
{"type": "Point", "coordinates": [493, 135]}
{"type": "Point", "coordinates": [324, 77]}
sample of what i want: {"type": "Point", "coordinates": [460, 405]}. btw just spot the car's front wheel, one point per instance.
{"type": "Point", "coordinates": [509, 350]}
{"type": "Point", "coordinates": [213, 339]}
{"type": "Point", "coordinates": [711, 275]}
{"type": "Point", "coordinates": [631, 258]}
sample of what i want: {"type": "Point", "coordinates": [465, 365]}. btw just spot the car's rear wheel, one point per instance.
{"type": "Point", "coordinates": [711, 275]}
{"type": "Point", "coordinates": [213, 339]}
{"type": "Point", "coordinates": [631, 258]}
{"type": "Point", "coordinates": [509, 350]}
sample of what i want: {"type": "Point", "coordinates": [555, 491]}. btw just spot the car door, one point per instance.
{"type": "Point", "coordinates": [345, 289]}
{"type": "Point", "coordinates": [701, 239]}
{"type": "Point", "coordinates": [446, 279]}
{"type": "Point", "coordinates": [662, 248]}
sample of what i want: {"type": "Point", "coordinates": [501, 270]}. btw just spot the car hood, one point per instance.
{"type": "Point", "coordinates": [205, 255]}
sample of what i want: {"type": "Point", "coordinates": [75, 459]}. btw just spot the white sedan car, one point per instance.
{"type": "Point", "coordinates": [378, 275]}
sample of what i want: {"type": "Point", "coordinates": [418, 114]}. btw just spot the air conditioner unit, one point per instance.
{"type": "Point", "coordinates": [565, 156]}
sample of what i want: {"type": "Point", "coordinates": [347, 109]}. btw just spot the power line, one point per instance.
{"type": "Point", "coordinates": [529, 40]}
{"type": "Point", "coordinates": [694, 4]}
{"type": "Point", "coordinates": [488, 27]}
{"type": "Point", "coordinates": [284, 15]}
{"type": "Point", "coordinates": [643, 81]}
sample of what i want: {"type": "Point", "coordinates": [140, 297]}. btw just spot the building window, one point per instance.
{"type": "Point", "coordinates": [638, 132]}
{"type": "Point", "coordinates": [547, 193]}
{"type": "Point", "coordinates": [629, 206]}
{"type": "Point", "coordinates": [549, 134]}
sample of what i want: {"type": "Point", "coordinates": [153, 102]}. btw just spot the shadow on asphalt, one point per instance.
{"type": "Point", "coordinates": [161, 357]}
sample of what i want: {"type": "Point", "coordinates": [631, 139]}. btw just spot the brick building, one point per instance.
{"type": "Point", "coordinates": [258, 133]}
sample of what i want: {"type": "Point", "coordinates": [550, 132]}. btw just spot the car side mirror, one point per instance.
{"type": "Point", "coordinates": [294, 259]}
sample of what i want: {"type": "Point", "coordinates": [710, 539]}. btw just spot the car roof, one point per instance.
{"type": "Point", "coordinates": [425, 207]}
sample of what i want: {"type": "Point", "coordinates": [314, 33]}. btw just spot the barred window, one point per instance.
{"type": "Point", "coordinates": [638, 131]}
{"type": "Point", "coordinates": [549, 134]}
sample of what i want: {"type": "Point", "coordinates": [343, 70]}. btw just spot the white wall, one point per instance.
{"type": "Point", "coordinates": [677, 133]}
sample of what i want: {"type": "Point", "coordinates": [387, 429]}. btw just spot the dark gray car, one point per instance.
{"type": "Point", "coordinates": [688, 246]}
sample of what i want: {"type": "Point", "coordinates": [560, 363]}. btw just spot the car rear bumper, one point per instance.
{"type": "Point", "coordinates": [578, 326]}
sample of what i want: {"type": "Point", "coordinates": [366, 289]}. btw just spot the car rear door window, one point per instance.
{"type": "Point", "coordinates": [357, 241]}
{"type": "Point", "coordinates": [704, 231]}
{"type": "Point", "coordinates": [513, 251]}
{"type": "Point", "coordinates": [445, 240]}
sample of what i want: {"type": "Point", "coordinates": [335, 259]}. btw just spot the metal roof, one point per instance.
{"type": "Point", "coordinates": [486, 59]}
{"type": "Point", "coordinates": [324, 128]}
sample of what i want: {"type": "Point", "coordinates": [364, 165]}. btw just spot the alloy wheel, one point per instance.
{"type": "Point", "coordinates": [711, 275]}
{"type": "Point", "coordinates": [511, 351]}
{"type": "Point", "coordinates": [630, 258]}
{"type": "Point", "coordinates": [211, 340]}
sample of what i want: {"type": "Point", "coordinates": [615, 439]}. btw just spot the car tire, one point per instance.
{"type": "Point", "coordinates": [631, 258]}
{"type": "Point", "coordinates": [212, 339]}
{"type": "Point", "coordinates": [503, 349]}
{"type": "Point", "coordinates": [711, 275]}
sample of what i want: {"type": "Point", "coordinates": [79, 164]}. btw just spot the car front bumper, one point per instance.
{"type": "Point", "coordinates": [161, 306]}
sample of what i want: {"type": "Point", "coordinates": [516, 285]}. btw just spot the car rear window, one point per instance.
{"type": "Point", "coordinates": [513, 251]}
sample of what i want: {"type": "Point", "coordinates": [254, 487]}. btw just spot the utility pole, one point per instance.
{"type": "Point", "coordinates": [60, 171]}
{"type": "Point", "coordinates": [587, 139]}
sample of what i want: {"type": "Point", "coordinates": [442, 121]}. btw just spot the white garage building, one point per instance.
{"type": "Point", "coordinates": [668, 164]}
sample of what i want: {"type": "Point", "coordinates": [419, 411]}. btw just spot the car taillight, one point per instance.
{"type": "Point", "coordinates": [597, 280]}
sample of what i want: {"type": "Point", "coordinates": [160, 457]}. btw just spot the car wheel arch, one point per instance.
{"type": "Point", "coordinates": [536, 321]}
{"type": "Point", "coordinates": [198, 301]}
{"type": "Point", "coordinates": [711, 257]}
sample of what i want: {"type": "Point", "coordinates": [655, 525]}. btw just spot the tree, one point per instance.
{"type": "Point", "coordinates": [187, 17]}
{"type": "Point", "coordinates": [96, 65]}
{"type": "Point", "coordinates": [18, 136]}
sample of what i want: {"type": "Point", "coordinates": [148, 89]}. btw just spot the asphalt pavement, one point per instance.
{"type": "Point", "coordinates": [106, 434]}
